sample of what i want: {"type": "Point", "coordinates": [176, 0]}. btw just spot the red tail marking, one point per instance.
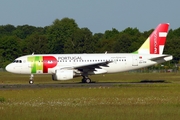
{"type": "Point", "coordinates": [155, 40]}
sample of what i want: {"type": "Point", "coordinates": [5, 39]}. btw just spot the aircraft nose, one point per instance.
{"type": "Point", "coordinates": [9, 68]}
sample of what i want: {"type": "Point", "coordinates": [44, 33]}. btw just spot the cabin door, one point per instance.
{"type": "Point", "coordinates": [134, 60]}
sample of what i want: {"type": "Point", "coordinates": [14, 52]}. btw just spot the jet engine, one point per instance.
{"type": "Point", "coordinates": [63, 75]}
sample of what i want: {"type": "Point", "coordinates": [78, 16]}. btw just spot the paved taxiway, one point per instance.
{"type": "Point", "coordinates": [66, 85]}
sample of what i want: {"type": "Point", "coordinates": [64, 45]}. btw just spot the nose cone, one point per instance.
{"type": "Point", "coordinates": [9, 68]}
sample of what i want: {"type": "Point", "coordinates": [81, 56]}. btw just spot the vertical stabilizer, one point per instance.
{"type": "Point", "coordinates": [155, 43]}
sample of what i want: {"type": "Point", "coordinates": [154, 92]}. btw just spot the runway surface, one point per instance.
{"type": "Point", "coordinates": [70, 85]}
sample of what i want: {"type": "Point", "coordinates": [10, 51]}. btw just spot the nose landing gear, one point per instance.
{"type": "Point", "coordinates": [31, 80]}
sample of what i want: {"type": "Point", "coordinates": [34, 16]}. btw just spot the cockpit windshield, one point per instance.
{"type": "Point", "coordinates": [17, 61]}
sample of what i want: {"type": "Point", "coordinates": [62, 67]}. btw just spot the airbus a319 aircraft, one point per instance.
{"type": "Point", "coordinates": [68, 66]}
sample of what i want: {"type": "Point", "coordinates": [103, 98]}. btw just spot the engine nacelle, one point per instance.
{"type": "Point", "coordinates": [63, 75]}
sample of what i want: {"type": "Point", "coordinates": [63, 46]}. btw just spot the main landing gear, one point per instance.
{"type": "Point", "coordinates": [31, 81]}
{"type": "Point", "coordinates": [85, 79]}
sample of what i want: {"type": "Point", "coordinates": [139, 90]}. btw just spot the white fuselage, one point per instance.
{"type": "Point", "coordinates": [49, 63]}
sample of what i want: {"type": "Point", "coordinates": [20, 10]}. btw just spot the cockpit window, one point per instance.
{"type": "Point", "coordinates": [17, 61]}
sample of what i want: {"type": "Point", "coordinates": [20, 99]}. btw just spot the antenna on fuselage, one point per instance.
{"type": "Point", "coordinates": [33, 53]}
{"type": "Point", "coordinates": [106, 52]}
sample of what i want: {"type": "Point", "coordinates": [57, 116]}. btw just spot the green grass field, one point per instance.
{"type": "Point", "coordinates": [123, 101]}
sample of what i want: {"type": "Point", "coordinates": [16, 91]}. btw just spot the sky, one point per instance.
{"type": "Point", "coordinates": [97, 15]}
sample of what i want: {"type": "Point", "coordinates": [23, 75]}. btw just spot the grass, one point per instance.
{"type": "Point", "coordinates": [124, 101]}
{"type": "Point", "coordinates": [2, 99]}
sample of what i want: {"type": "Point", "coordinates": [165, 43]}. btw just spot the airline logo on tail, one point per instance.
{"type": "Point", "coordinates": [156, 41]}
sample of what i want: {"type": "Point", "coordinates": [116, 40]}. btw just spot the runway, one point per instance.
{"type": "Point", "coordinates": [71, 85]}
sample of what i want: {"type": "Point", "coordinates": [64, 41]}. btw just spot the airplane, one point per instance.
{"type": "Point", "coordinates": [68, 66]}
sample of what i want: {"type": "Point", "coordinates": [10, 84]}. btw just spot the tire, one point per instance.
{"type": "Point", "coordinates": [83, 80]}
{"type": "Point", "coordinates": [88, 80]}
{"type": "Point", "coordinates": [31, 82]}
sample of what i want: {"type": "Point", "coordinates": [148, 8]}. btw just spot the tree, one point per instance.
{"type": "Point", "coordinates": [97, 37]}
{"type": "Point", "coordinates": [64, 36]}
{"type": "Point", "coordinates": [135, 38]}
{"type": "Point", "coordinates": [6, 30]}
{"type": "Point", "coordinates": [59, 32]}
{"type": "Point", "coordinates": [173, 47]}
{"type": "Point", "coordinates": [110, 33]}
{"type": "Point", "coordinates": [24, 31]}
{"type": "Point", "coordinates": [81, 42]}
{"type": "Point", "coordinates": [122, 44]}
{"type": "Point", "coordinates": [9, 48]}
{"type": "Point", "coordinates": [37, 43]}
{"type": "Point", "coordinates": [106, 40]}
{"type": "Point", "coordinates": [147, 33]}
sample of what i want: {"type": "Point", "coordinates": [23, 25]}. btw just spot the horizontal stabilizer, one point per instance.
{"type": "Point", "coordinates": [165, 57]}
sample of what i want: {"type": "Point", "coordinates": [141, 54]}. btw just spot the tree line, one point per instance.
{"type": "Point", "coordinates": [64, 36]}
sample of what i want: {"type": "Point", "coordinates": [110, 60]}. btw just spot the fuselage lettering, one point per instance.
{"type": "Point", "coordinates": [70, 58]}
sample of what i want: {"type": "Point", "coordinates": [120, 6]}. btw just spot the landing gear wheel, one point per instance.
{"type": "Point", "coordinates": [83, 80]}
{"type": "Point", "coordinates": [31, 81]}
{"type": "Point", "coordinates": [88, 80]}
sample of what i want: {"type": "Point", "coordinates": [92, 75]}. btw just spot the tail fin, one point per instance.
{"type": "Point", "coordinates": [155, 43]}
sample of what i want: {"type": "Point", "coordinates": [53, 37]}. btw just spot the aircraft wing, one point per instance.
{"type": "Point", "coordinates": [92, 66]}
